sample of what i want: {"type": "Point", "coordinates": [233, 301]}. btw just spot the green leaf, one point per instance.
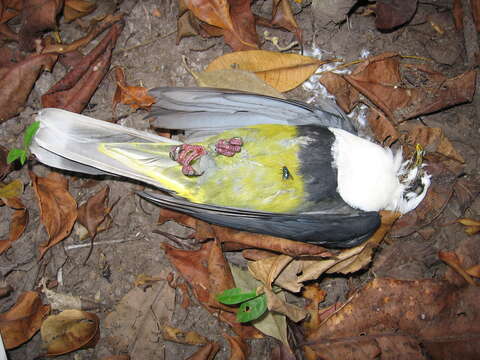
{"type": "Point", "coordinates": [14, 154]}
{"type": "Point", "coordinates": [235, 296]}
{"type": "Point", "coordinates": [252, 309]}
{"type": "Point", "coordinates": [23, 158]}
{"type": "Point", "coordinates": [29, 134]}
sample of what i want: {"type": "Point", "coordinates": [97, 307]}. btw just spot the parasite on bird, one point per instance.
{"type": "Point", "coordinates": [227, 170]}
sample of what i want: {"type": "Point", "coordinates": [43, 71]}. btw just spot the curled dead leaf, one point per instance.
{"type": "Point", "coordinates": [74, 9]}
{"type": "Point", "coordinates": [472, 227]}
{"type": "Point", "coordinates": [69, 331]}
{"type": "Point", "coordinates": [94, 211]}
{"type": "Point", "coordinates": [4, 166]}
{"type": "Point", "coordinates": [23, 320]}
{"type": "Point", "coordinates": [18, 222]}
{"type": "Point", "coordinates": [275, 303]}
{"type": "Point", "coordinates": [58, 208]}
{"type": "Point", "coordinates": [452, 260]}
{"type": "Point", "coordinates": [135, 96]}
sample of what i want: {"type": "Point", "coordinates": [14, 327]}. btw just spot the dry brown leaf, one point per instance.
{"type": "Point", "coordinates": [23, 320]}
{"type": "Point", "coordinates": [391, 14]}
{"type": "Point", "coordinates": [74, 90]}
{"type": "Point", "coordinates": [69, 331]}
{"type": "Point", "coordinates": [472, 226]}
{"type": "Point", "coordinates": [388, 312]}
{"type": "Point", "coordinates": [379, 79]}
{"type": "Point", "coordinates": [433, 140]}
{"type": "Point", "coordinates": [346, 96]}
{"type": "Point", "coordinates": [135, 96]}
{"type": "Point", "coordinates": [18, 222]}
{"type": "Point", "coordinates": [194, 267]}
{"type": "Point", "coordinates": [5, 168]}
{"type": "Point", "coordinates": [452, 260]}
{"type": "Point", "coordinates": [282, 71]}
{"type": "Point", "coordinates": [74, 9]}
{"type": "Point", "coordinates": [267, 270]}
{"type": "Point", "coordinates": [315, 295]}
{"type": "Point", "coordinates": [58, 209]}
{"type": "Point", "coordinates": [37, 16]}
{"type": "Point", "coordinates": [383, 129]}
{"type": "Point", "coordinates": [238, 348]}
{"type": "Point", "coordinates": [207, 352]}
{"type": "Point", "coordinates": [17, 77]}
{"type": "Point", "coordinates": [94, 211]}
{"type": "Point", "coordinates": [174, 334]}
{"type": "Point", "coordinates": [275, 303]}
{"type": "Point", "coordinates": [186, 26]}
{"type": "Point", "coordinates": [474, 271]}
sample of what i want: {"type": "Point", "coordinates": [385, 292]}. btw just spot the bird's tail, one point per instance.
{"type": "Point", "coordinates": [75, 142]}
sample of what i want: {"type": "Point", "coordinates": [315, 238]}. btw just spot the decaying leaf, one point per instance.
{"type": "Point", "coordinates": [346, 96]}
{"type": "Point", "coordinates": [275, 303]}
{"type": "Point", "coordinates": [452, 260]}
{"type": "Point", "coordinates": [135, 96]}
{"type": "Point", "coordinates": [174, 334]}
{"type": "Point", "coordinates": [412, 318]}
{"type": "Point", "coordinates": [283, 72]}
{"type": "Point", "coordinates": [238, 348]}
{"type": "Point", "coordinates": [37, 16]}
{"type": "Point", "coordinates": [75, 9]}
{"type": "Point", "coordinates": [77, 87]}
{"type": "Point", "coordinates": [58, 209]}
{"type": "Point", "coordinates": [433, 140]}
{"type": "Point", "coordinates": [94, 211]}
{"type": "Point", "coordinates": [315, 295]}
{"type": "Point", "coordinates": [282, 16]}
{"type": "Point", "coordinates": [17, 77]}
{"type": "Point", "coordinates": [69, 331]}
{"type": "Point", "coordinates": [195, 268]}
{"type": "Point", "coordinates": [380, 80]}
{"type": "Point", "coordinates": [23, 320]}
{"type": "Point", "coordinates": [136, 320]}
{"type": "Point", "coordinates": [383, 129]}
{"type": "Point", "coordinates": [5, 167]}
{"type": "Point", "coordinates": [206, 352]}
{"type": "Point", "coordinates": [18, 222]}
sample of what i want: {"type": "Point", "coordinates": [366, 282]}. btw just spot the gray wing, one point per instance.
{"type": "Point", "coordinates": [212, 110]}
{"type": "Point", "coordinates": [336, 227]}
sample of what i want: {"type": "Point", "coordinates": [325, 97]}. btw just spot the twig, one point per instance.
{"type": "Point", "coordinates": [148, 42]}
{"type": "Point", "coordinates": [79, 246]}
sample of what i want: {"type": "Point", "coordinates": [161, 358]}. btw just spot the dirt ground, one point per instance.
{"type": "Point", "coordinates": [147, 51]}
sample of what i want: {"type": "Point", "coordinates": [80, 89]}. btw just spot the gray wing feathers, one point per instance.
{"type": "Point", "coordinates": [204, 108]}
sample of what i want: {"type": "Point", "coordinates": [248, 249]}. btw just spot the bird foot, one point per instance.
{"type": "Point", "coordinates": [185, 155]}
{"type": "Point", "coordinates": [229, 147]}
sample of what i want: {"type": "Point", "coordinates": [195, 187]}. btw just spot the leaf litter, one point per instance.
{"type": "Point", "coordinates": [398, 90]}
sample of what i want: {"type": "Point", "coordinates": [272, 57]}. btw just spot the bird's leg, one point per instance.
{"type": "Point", "coordinates": [229, 147]}
{"type": "Point", "coordinates": [185, 154]}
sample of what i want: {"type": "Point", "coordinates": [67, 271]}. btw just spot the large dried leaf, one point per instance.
{"type": "Point", "coordinates": [69, 331]}
{"type": "Point", "coordinates": [380, 81]}
{"type": "Point", "coordinates": [17, 77]}
{"type": "Point", "coordinates": [283, 72]}
{"type": "Point", "coordinates": [18, 223]}
{"type": "Point", "coordinates": [37, 16]}
{"type": "Point", "coordinates": [74, 91]}
{"type": "Point", "coordinates": [58, 209]}
{"type": "Point", "coordinates": [194, 267]}
{"type": "Point", "coordinates": [431, 317]}
{"type": "Point", "coordinates": [23, 320]}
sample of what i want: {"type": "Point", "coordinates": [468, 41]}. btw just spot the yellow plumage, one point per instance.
{"type": "Point", "coordinates": [252, 179]}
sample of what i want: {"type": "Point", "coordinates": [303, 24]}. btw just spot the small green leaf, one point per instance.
{"type": "Point", "coordinates": [252, 309]}
{"type": "Point", "coordinates": [235, 296]}
{"type": "Point", "coordinates": [23, 158]}
{"type": "Point", "coordinates": [29, 134]}
{"type": "Point", "coordinates": [14, 154]}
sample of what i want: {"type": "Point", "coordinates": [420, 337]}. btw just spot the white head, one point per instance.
{"type": "Point", "coordinates": [372, 178]}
